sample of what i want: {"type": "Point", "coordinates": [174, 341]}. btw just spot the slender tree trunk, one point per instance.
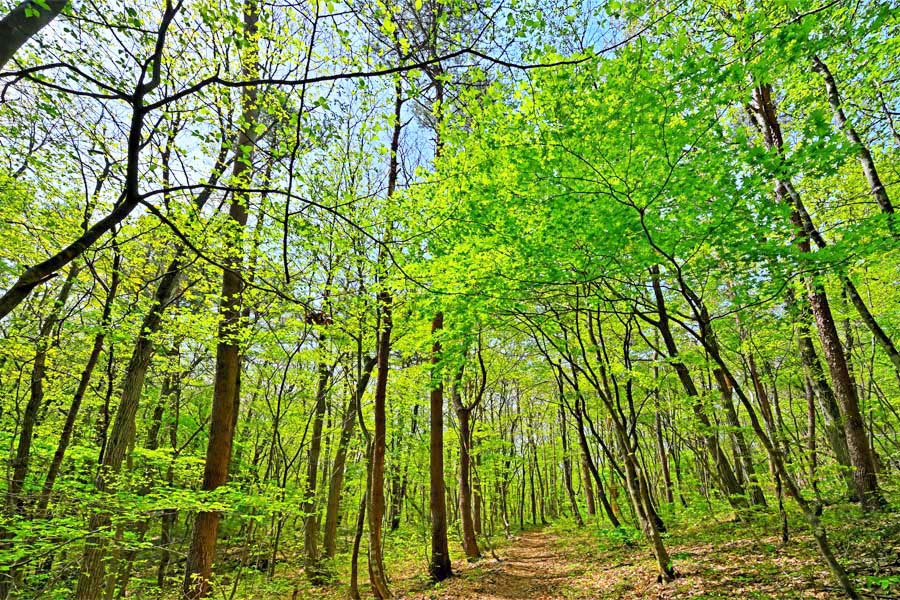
{"type": "Point", "coordinates": [587, 483]}
{"type": "Point", "coordinates": [314, 570]}
{"type": "Point", "coordinates": [126, 565]}
{"type": "Point", "coordinates": [567, 466]}
{"type": "Point", "coordinates": [121, 437]}
{"type": "Point", "coordinates": [340, 461]}
{"type": "Point", "coordinates": [65, 435]}
{"type": "Point", "coordinates": [542, 491]}
{"type": "Point", "coordinates": [591, 466]}
{"type": "Point", "coordinates": [811, 439]}
{"type": "Point", "coordinates": [377, 574]}
{"type": "Point", "coordinates": [477, 499]}
{"type": "Point", "coordinates": [742, 448]}
{"type": "Point", "coordinates": [663, 456]}
{"type": "Point", "coordinates": [775, 456]}
{"type": "Point", "coordinates": [357, 540]}
{"type": "Point", "coordinates": [169, 515]}
{"type": "Point", "coordinates": [226, 391]}
{"type": "Point", "coordinates": [640, 499]}
{"type": "Point", "coordinates": [727, 480]}
{"type": "Point", "coordinates": [15, 501]}
{"type": "Point", "coordinates": [865, 157]}
{"type": "Point", "coordinates": [22, 461]}
{"type": "Point", "coordinates": [831, 413]}
{"type": "Point", "coordinates": [401, 481]}
{"type": "Point", "coordinates": [439, 567]}
{"type": "Point", "coordinates": [470, 542]}
{"type": "Point", "coordinates": [743, 457]}
{"type": "Point", "coordinates": [857, 441]}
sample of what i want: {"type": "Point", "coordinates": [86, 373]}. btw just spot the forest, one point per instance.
{"type": "Point", "coordinates": [449, 299]}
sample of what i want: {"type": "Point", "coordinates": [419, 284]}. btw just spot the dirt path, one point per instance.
{"type": "Point", "coordinates": [531, 567]}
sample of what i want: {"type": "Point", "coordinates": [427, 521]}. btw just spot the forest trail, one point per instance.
{"type": "Point", "coordinates": [531, 567]}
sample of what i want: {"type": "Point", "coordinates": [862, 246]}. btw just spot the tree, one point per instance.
{"type": "Point", "coordinates": [226, 394]}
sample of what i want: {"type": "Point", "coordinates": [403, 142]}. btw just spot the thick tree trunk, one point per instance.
{"type": "Point", "coordinates": [805, 226]}
{"type": "Point", "coordinates": [24, 22]}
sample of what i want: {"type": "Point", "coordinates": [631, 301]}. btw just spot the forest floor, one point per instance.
{"type": "Point", "coordinates": [531, 565]}
{"type": "Point", "coordinates": [714, 559]}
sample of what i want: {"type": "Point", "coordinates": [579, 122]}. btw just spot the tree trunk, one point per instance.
{"type": "Point", "coordinates": [357, 540]}
{"type": "Point", "coordinates": [23, 22]}
{"type": "Point", "coordinates": [226, 391]}
{"type": "Point", "coordinates": [69, 426]}
{"type": "Point", "coordinates": [469, 541]}
{"type": "Point", "coordinates": [377, 574]}
{"type": "Point", "coordinates": [439, 567]}
{"type": "Point", "coordinates": [831, 413]}
{"type": "Point", "coordinates": [14, 500]}
{"type": "Point", "coordinates": [401, 480]}
{"type": "Point", "coordinates": [776, 458]}
{"type": "Point", "coordinates": [567, 466]}
{"type": "Point", "coordinates": [876, 187]}
{"type": "Point", "coordinates": [314, 570]}
{"type": "Point", "coordinates": [587, 483]}
{"type": "Point", "coordinates": [169, 515]}
{"type": "Point", "coordinates": [857, 441]}
{"type": "Point", "coordinates": [578, 413]}
{"type": "Point", "coordinates": [477, 499]}
{"type": "Point", "coordinates": [663, 456]}
{"type": "Point", "coordinates": [340, 461]}
{"type": "Point", "coordinates": [726, 478]}
{"type": "Point", "coordinates": [742, 448]}
{"type": "Point", "coordinates": [93, 565]}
